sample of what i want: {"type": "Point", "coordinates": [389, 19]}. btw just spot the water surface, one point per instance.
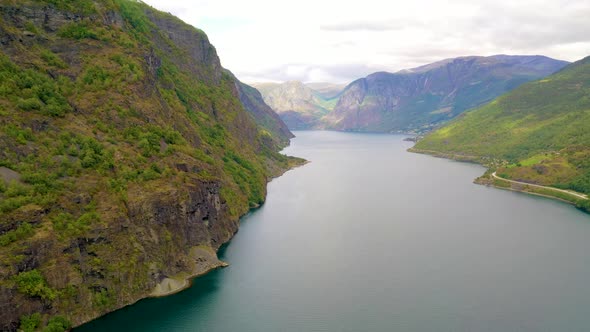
{"type": "Point", "coordinates": [369, 237]}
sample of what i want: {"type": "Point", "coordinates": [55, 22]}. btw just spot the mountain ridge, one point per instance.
{"type": "Point", "coordinates": [413, 100]}
{"type": "Point", "coordinates": [434, 93]}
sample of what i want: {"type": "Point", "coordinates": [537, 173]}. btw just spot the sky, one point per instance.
{"type": "Point", "coordinates": [339, 41]}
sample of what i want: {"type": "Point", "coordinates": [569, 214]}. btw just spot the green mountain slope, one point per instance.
{"type": "Point", "coordinates": [540, 130]}
{"type": "Point", "coordinates": [126, 157]}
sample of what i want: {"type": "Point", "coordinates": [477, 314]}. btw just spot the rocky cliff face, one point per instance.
{"type": "Point", "coordinates": [420, 98]}
{"type": "Point", "coordinates": [124, 144]}
{"type": "Point", "coordinates": [263, 115]}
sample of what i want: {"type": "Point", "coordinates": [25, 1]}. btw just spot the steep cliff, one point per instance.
{"type": "Point", "coordinates": [126, 157]}
{"type": "Point", "coordinates": [263, 115]}
{"type": "Point", "coordinates": [420, 98]}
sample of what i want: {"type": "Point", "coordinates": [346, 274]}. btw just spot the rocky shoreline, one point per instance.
{"type": "Point", "coordinates": [205, 261]}
{"type": "Point", "coordinates": [201, 261]}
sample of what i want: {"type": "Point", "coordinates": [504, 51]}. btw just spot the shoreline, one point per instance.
{"type": "Point", "coordinates": [178, 283]}
{"type": "Point", "coordinates": [186, 283]}
{"type": "Point", "coordinates": [578, 195]}
{"type": "Point", "coordinates": [450, 156]}
{"type": "Point", "coordinates": [185, 280]}
{"type": "Point", "coordinates": [526, 192]}
{"type": "Point", "coordinates": [488, 179]}
{"type": "Point", "coordinates": [205, 260]}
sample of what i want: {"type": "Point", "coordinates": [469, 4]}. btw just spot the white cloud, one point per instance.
{"type": "Point", "coordinates": [338, 41]}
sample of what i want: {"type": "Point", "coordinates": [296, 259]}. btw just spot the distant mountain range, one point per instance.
{"type": "Point", "coordinates": [326, 90]}
{"type": "Point", "coordinates": [301, 106]}
{"type": "Point", "coordinates": [413, 100]}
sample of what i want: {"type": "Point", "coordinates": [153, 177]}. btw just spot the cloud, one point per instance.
{"type": "Point", "coordinates": [365, 26]}
{"type": "Point", "coordinates": [338, 41]}
{"type": "Point", "coordinates": [310, 73]}
{"type": "Point", "coordinates": [536, 29]}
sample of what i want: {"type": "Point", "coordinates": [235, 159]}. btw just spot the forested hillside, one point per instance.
{"type": "Point", "coordinates": [126, 157]}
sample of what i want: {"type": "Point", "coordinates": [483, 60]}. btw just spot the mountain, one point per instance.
{"type": "Point", "coordinates": [264, 116]}
{"type": "Point", "coordinates": [326, 90]}
{"type": "Point", "coordinates": [127, 156]}
{"type": "Point", "coordinates": [539, 133]}
{"type": "Point", "coordinates": [421, 98]}
{"type": "Point", "coordinates": [300, 106]}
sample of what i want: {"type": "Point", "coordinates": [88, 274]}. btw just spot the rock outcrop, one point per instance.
{"type": "Point", "coordinates": [263, 115]}
{"type": "Point", "coordinates": [298, 105]}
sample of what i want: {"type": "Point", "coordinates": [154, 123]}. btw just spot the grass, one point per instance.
{"type": "Point", "coordinates": [85, 7]}
{"type": "Point", "coordinates": [57, 324]}
{"type": "Point", "coordinates": [31, 90]}
{"type": "Point", "coordinates": [30, 323]}
{"type": "Point", "coordinates": [583, 204]}
{"type": "Point", "coordinates": [69, 226]}
{"type": "Point", "coordinates": [22, 232]}
{"type": "Point", "coordinates": [32, 283]}
{"type": "Point", "coordinates": [78, 31]}
{"type": "Point", "coordinates": [537, 159]}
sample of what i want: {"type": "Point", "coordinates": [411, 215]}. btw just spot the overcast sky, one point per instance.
{"type": "Point", "coordinates": [339, 41]}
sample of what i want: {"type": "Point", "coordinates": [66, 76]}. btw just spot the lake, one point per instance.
{"type": "Point", "coordinates": [369, 237]}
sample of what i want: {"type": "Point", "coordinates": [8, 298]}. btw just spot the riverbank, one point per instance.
{"type": "Point", "coordinates": [493, 180]}
{"type": "Point", "coordinates": [457, 157]}
{"type": "Point", "coordinates": [205, 259]}
{"type": "Point", "coordinates": [490, 178]}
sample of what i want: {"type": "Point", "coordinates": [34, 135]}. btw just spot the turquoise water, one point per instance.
{"type": "Point", "coordinates": [369, 237]}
